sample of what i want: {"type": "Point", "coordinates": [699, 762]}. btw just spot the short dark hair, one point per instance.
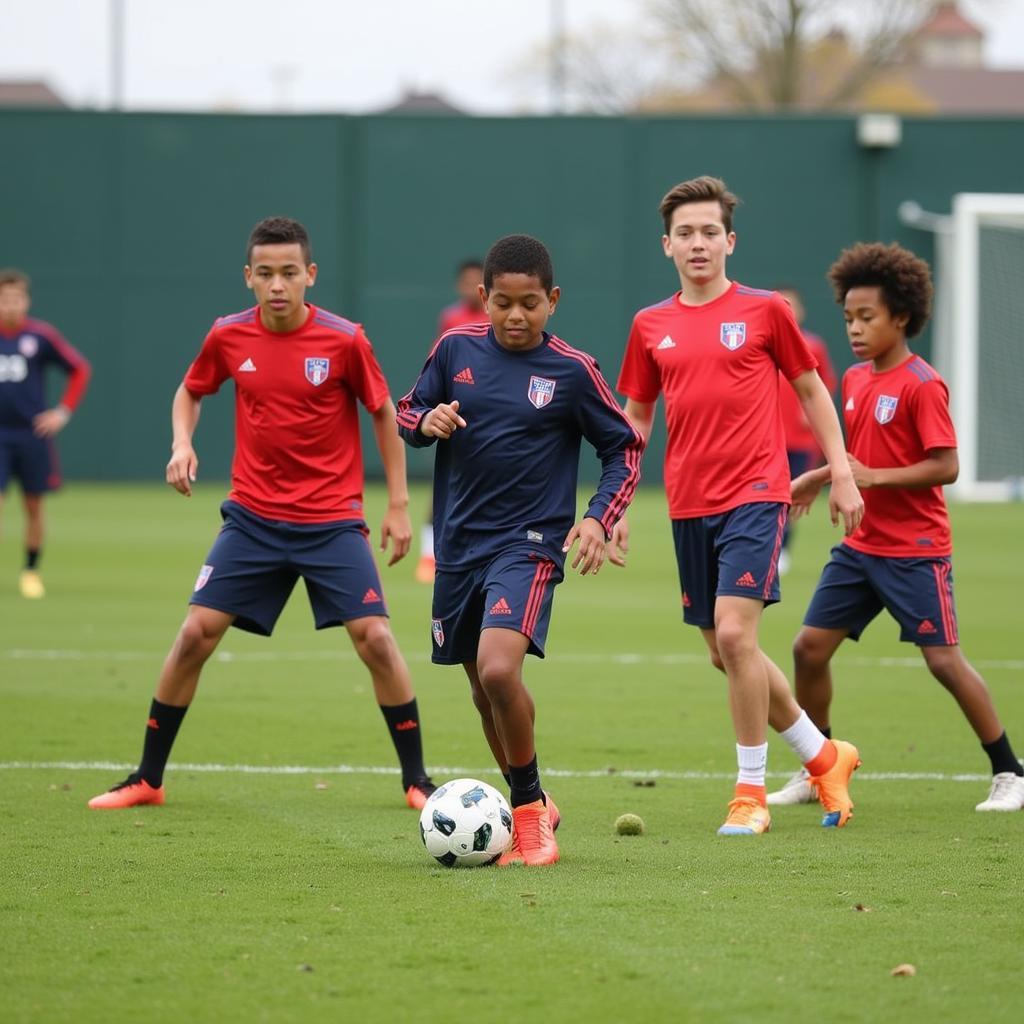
{"type": "Point", "coordinates": [904, 280]}
{"type": "Point", "coordinates": [11, 275]}
{"type": "Point", "coordinates": [471, 264]}
{"type": "Point", "coordinates": [698, 190]}
{"type": "Point", "coordinates": [519, 254]}
{"type": "Point", "coordinates": [278, 231]}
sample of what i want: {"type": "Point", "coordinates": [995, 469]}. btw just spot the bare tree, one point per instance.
{"type": "Point", "coordinates": [762, 53]}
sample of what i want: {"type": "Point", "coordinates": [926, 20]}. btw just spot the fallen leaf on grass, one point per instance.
{"type": "Point", "coordinates": [862, 908]}
{"type": "Point", "coordinates": [904, 971]}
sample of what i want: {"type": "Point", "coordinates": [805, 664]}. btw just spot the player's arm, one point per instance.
{"type": "Point", "coordinates": [395, 525]}
{"type": "Point", "coordinates": [845, 500]}
{"type": "Point", "coordinates": [806, 488]}
{"type": "Point", "coordinates": [641, 415]}
{"type": "Point", "coordinates": [424, 414]}
{"type": "Point", "coordinates": [181, 470]}
{"type": "Point", "coordinates": [940, 466]}
{"type": "Point", "coordinates": [619, 446]}
{"type": "Point", "coordinates": [52, 421]}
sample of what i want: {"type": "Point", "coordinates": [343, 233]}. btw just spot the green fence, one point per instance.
{"type": "Point", "coordinates": [133, 229]}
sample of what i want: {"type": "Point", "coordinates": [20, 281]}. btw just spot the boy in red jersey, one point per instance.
{"type": "Point", "coordinates": [715, 349]}
{"type": "Point", "coordinates": [468, 310]}
{"type": "Point", "coordinates": [902, 450]}
{"type": "Point", "coordinates": [802, 451]}
{"type": "Point", "coordinates": [296, 503]}
{"type": "Point", "coordinates": [27, 426]}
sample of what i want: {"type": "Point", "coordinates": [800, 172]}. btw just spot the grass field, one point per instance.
{"type": "Point", "coordinates": [307, 896]}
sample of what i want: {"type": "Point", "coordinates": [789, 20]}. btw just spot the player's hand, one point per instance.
{"type": "Point", "coordinates": [590, 556]}
{"type": "Point", "coordinates": [442, 421]}
{"type": "Point", "coordinates": [50, 422]}
{"type": "Point", "coordinates": [845, 502]}
{"type": "Point", "coordinates": [804, 491]}
{"type": "Point", "coordinates": [397, 528]}
{"type": "Point", "coordinates": [618, 546]}
{"type": "Point", "coordinates": [181, 470]}
{"type": "Point", "coordinates": [862, 476]}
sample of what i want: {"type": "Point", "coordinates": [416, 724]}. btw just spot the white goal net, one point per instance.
{"type": "Point", "coordinates": [978, 336]}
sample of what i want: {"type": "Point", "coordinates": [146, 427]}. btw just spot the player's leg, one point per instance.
{"type": "Point", "coordinates": [344, 588]}
{"type": "Point", "coordinates": [949, 666]}
{"type": "Point", "coordinates": [35, 464]}
{"type": "Point", "coordinates": [483, 707]}
{"type": "Point", "coordinates": [31, 583]}
{"type": "Point", "coordinates": [426, 566]}
{"type": "Point", "coordinates": [244, 582]}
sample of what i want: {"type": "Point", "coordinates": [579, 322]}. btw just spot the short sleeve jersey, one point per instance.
{"type": "Point", "coordinates": [25, 353]}
{"type": "Point", "coordinates": [799, 436]}
{"type": "Point", "coordinates": [297, 452]}
{"type": "Point", "coordinates": [892, 419]}
{"type": "Point", "coordinates": [718, 367]}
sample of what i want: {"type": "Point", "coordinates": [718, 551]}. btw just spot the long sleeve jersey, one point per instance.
{"type": "Point", "coordinates": [509, 476]}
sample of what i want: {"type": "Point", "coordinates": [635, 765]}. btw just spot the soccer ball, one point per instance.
{"type": "Point", "coordinates": [466, 823]}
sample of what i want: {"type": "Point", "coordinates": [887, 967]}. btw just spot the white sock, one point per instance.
{"type": "Point", "coordinates": [804, 738]}
{"type": "Point", "coordinates": [753, 762]}
{"type": "Point", "coordinates": [427, 541]}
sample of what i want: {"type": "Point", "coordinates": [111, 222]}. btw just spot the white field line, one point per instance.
{"type": "Point", "coordinates": [457, 771]}
{"type": "Point", "coordinates": [574, 658]}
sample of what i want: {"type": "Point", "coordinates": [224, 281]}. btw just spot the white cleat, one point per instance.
{"type": "Point", "coordinates": [798, 790]}
{"type": "Point", "coordinates": [1006, 794]}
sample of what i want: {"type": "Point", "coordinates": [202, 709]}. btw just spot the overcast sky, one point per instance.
{"type": "Point", "coordinates": [341, 55]}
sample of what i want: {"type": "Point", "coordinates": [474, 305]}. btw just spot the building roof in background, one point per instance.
{"type": "Point", "coordinates": [948, 21]}
{"type": "Point", "coordinates": [28, 93]}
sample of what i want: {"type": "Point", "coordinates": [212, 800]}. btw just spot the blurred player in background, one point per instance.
{"type": "Point", "coordinates": [469, 309]}
{"type": "Point", "coordinates": [715, 350]}
{"type": "Point", "coordinates": [902, 450]}
{"type": "Point", "coordinates": [802, 448]}
{"type": "Point", "coordinates": [510, 404]}
{"type": "Point", "coordinates": [296, 502]}
{"type": "Point", "coordinates": [27, 425]}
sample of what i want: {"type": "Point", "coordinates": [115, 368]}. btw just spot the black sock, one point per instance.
{"type": "Point", "coordinates": [525, 783]}
{"type": "Point", "coordinates": [827, 732]}
{"type": "Point", "coordinates": [508, 779]}
{"type": "Point", "coordinates": [162, 727]}
{"type": "Point", "coordinates": [404, 726]}
{"type": "Point", "coordinates": [32, 557]}
{"type": "Point", "coordinates": [1001, 754]}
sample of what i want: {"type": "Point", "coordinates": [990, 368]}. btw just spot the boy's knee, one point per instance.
{"type": "Point", "coordinates": [716, 658]}
{"type": "Point", "coordinates": [807, 650]}
{"type": "Point", "coordinates": [195, 641]}
{"type": "Point", "coordinates": [732, 641]}
{"type": "Point", "coordinates": [498, 678]}
{"type": "Point", "coordinates": [942, 662]}
{"type": "Point", "coordinates": [373, 640]}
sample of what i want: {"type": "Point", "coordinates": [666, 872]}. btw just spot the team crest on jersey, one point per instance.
{"type": "Point", "coordinates": [733, 336]}
{"type": "Point", "coordinates": [317, 370]}
{"type": "Point", "coordinates": [28, 346]}
{"type": "Point", "coordinates": [203, 578]}
{"type": "Point", "coordinates": [438, 630]}
{"type": "Point", "coordinates": [885, 408]}
{"type": "Point", "coordinates": [541, 391]}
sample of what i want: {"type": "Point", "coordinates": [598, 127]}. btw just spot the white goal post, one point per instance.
{"type": "Point", "coordinates": [978, 335]}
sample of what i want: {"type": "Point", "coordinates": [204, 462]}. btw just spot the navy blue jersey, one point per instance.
{"type": "Point", "coordinates": [509, 476]}
{"type": "Point", "coordinates": [24, 355]}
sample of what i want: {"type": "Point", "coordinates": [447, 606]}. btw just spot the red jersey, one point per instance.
{"type": "Point", "coordinates": [297, 452]}
{"type": "Point", "coordinates": [718, 367]}
{"type": "Point", "coordinates": [799, 436]}
{"type": "Point", "coordinates": [458, 314]}
{"type": "Point", "coordinates": [895, 418]}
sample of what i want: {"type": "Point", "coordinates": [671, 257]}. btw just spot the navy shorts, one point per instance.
{"type": "Point", "coordinates": [31, 460]}
{"type": "Point", "coordinates": [917, 593]}
{"type": "Point", "coordinates": [732, 554]}
{"type": "Point", "coordinates": [254, 563]}
{"type": "Point", "coordinates": [513, 591]}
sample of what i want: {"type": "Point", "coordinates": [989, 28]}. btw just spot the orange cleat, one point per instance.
{"type": "Point", "coordinates": [834, 786]}
{"type": "Point", "coordinates": [425, 569]}
{"type": "Point", "coordinates": [417, 794]}
{"type": "Point", "coordinates": [533, 838]}
{"type": "Point", "coordinates": [556, 818]}
{"type": "Point", "coordinates": [133, 792]}
{"type": "Point", "coordinates": [746, 818]}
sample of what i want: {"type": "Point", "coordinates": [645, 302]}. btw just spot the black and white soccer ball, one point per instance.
{"type": "Point", "coordinates": [466, 823]}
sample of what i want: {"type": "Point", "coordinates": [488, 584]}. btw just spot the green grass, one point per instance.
{"type": "Point", "coordinates": [211, 907]}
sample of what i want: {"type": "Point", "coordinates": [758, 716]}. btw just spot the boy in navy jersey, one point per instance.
{"type": "Point", "coordinates": [27, 426]}
{"type": "Point", "coordinates": [296, 502]}
{"type": "Point", "coordinates": [510, 403]}
{"type": "Point", "coordinates": [902, 450]}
